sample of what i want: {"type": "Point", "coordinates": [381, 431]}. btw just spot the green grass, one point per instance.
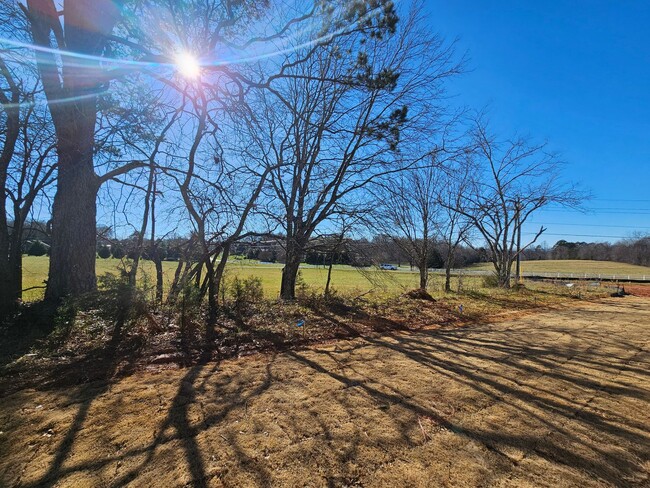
{"type": "Point", "coordinates": [575, 266]}
{"type": "Point", "coordinates": [345, 279]}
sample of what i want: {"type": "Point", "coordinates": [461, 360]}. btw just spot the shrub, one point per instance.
{"type": "Point", "coordinates": [118, 300]}
{"type": "Point", "coordinates": [302, 288]}
{"type": "Point", "coordinates": [38, 248]}
{"type": "Point", "coordinates": [104, 252]}
{"type": "Point", "coordinates": [246, 292]}
{"type": "Point", "coordinates": [188, 304]}
{"type": "Point", "coordinates": [117, 252]}
{"type": "Point", "coordinates": [491, 281]}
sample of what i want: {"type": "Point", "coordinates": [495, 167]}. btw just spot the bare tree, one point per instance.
{"type": "Point", "coordinates": [511, 180]}
{"type": "Point", "coordinates": [218, 194]}
{"type": "Point", "coordinates": [408, 211]}
{"type": "Point", "coordinates": [452, 227]}
{"type": "Point", "coordinates": [336, 119]}
{"type": "Point", "coordinates": [78, 46]}
{"type": "Point", "coordinates": [27, 165]}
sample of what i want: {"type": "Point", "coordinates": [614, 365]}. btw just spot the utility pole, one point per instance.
{"type": "Point", "coordinates": [518, 220]}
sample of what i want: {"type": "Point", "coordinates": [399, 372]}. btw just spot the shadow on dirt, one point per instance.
{"type": "Point", "coordinates": [503, 369]}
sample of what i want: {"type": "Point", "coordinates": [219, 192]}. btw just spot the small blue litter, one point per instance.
{"type": "Point", "coordinates": [300, 323]}
{"type": "Point", "coordinates": [460, 308]}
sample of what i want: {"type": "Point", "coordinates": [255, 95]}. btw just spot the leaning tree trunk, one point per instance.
{"type": "Point", "coordinates": [329, 274]}
{"type": "Point", "coordinates": [16, 258]}
{"type": "Point", "coordinates": [7, 298]}
{"type": "Point", "coordinates": [221, 268]}
{"type": "Point", "coordinates": [11, 278]}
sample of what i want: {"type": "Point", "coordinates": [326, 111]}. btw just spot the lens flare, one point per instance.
{"type": "Point", "coordinates": [187, 65]}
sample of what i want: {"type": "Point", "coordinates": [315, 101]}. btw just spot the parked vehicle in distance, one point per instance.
{"type": "Point", "coordinates": [388, 267]}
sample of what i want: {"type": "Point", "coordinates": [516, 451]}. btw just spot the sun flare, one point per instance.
{"type": "Point", "coordinates": [187, 65]}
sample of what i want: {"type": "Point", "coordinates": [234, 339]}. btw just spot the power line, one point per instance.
{"type": "Point", "coordinates": [619, 208]}
{"type": "Point", "coordinates": [589, 211]}
{"type": "Point", "coordinates": [578, 235]}
{"type": "Point", "coordinates": [618, 200]}
{"type": "Point", "coordinates": [576, 224]}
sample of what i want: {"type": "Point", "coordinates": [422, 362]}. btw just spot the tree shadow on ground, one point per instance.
{"type": "Point", "coordinates": [549, 379]}
{"type": "Point", "coordinates": [19, 334]}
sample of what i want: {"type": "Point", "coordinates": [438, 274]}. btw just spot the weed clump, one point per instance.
{"type": "Point", "coordinates": [491, 281]}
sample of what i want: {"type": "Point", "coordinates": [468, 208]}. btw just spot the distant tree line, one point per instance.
{"type": "Point", "coordinates": [634, 250]}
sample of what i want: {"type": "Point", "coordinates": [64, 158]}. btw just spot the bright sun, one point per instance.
{"type": "Point", "coordinates": [187, 65]}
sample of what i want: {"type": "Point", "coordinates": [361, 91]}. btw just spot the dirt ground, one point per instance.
{"type": "Point", "coordinates": [560, 398]}
{"type": "Point", "coordinates": [638, 290]}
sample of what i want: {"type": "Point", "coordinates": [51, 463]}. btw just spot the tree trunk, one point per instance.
{"type": "Point", "coordinates": [155, 254]}
{"type": "Point", "coordinates": [11, 264]}
{"type": "Point", "coordinates": [503, 274]}
{"type": "Point", "coordinates": [221, 267]}
{"type": "Point", "coordinates": [11, 131]}
{"type": "Point", "coordinates": [329, 274]}
{"type": "Point", "coordinates": [74, 234]}
{"type": "Point", "coordinates": [290, 270]}
{"type": "Point", "coordinates": [174, 288]}
{"type": "Point", "coordinates": [16, 262]}
{"type": "Point", "coordinates": [448, 264]}
{"type": "Point", "coordinates": [6, 302]}
{"type": "Point", "coordinates": [289, 277]}
{"type": "Point", "coordinates": [10, 282]}
{"type": "Point", "coordinates": [424, 274]}
{"type": "Point", "coordinates": [159, 275]}
{"type": "Point", "coordinates": [7, 298]}
{"type": "Point", "coordinates": [448, 278]}
{"type": "Point", "coordinates": [213, 306]}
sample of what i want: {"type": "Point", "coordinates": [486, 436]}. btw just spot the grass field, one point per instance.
{"type": "Point", "coordinates": [345, 279]}
{"type": "Point", "coordinates": [575, 266]}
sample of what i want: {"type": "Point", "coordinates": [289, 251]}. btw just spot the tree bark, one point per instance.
{"type": "Point", "coordinates": [72, 98]}
{"type": "Point", "coordinates": [329, 274]}
{"type": "Point", "coordinates": [8, 292]}
{"type": "Point", "coordinates": [503, 274]}
{"type": "Point", "coordinates": [213, 305]}
{"type": "Point", "coordinates": [424, 273]}
{"type": "Point", "coordinates": [221, 267]}
{"type": "Point", "coordinates": [74, 233]}
{"type": "Point", "coordinates": [290, 270]}
{"type": "Point", "coordinates": [448, 266]}
{"type": "Point", "coordinates": [448, 279]}
{"type": "Point", "coordinates": [10, 282]}
{"type": "Point", "coordinates": [424, 252]}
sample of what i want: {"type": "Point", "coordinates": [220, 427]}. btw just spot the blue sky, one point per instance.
{"type": "Point", "coordinates": [575, 73]}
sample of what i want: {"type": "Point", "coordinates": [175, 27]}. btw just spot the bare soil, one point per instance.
{"type": "Point", "coordinates": [559, 398]}
{"type": "Point", "coordinates": [638, 290]}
